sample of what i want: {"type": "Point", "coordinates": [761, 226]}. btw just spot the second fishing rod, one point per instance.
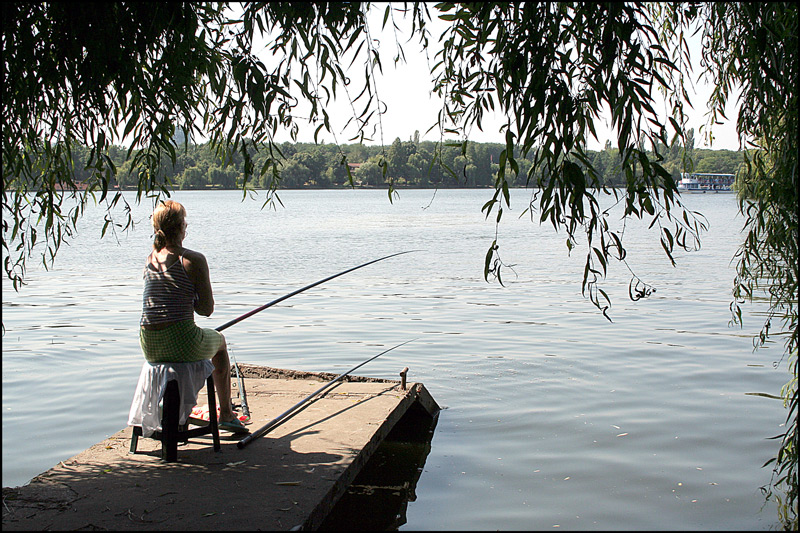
{"type": "Point", "coordinates": [296, 407]}
{"type": "Point", "coordinates": [240, 380]}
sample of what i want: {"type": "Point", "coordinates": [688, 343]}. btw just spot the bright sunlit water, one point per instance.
{"type": "Point", "coordinates": [554, 417]}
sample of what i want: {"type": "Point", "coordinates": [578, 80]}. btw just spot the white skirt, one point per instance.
{"type": "Point", "coordinates": [149, 392]}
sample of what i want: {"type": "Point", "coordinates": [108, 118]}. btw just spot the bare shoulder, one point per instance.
{"type": "Point", "coordinates": [193, 260]}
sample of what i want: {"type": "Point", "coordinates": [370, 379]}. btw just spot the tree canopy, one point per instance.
{"type": "Point", "coordinates": [128, 73]}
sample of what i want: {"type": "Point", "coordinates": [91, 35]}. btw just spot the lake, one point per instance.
{"type": "Point", "coordinates": [552, 415]}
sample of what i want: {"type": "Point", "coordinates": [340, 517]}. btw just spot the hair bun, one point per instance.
{"type": "Point", "coordinates": [167, 222]}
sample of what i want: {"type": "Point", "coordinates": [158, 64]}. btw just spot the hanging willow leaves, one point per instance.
{"type": "Point", "coordinates": [100, 74]}
{"type": "Point", "coordinates": [553, 69]}
{"type": "Point", "coordinates": [758, 54]}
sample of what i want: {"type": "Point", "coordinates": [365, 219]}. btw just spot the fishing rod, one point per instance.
{"type": "Point", "coordinates": [298, 291]}
{"type": "Point", "coordinates": [292, 410]}
{"type": "Point", "coordinates": [240, 380]}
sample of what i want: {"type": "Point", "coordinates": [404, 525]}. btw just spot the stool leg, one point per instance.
{"type": "Point", "coordinates": [169, 422]}
{"type": "Point", "coordinates": [136, 431]}
{"type": "Point", "coordinates": [212, 413]}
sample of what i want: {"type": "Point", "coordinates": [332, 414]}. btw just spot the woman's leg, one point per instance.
{"type": "Point", "coordinates": [222, 382]}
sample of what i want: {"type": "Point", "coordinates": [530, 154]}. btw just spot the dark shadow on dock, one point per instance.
{"type": "Point", "coordinates": [196, 492]}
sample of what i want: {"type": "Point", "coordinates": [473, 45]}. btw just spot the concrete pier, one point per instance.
{"type": "Point", "coordinates": [288, 479]}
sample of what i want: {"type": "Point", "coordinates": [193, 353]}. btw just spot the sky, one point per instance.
{"type": "Point", "coordinates": [406, 90]}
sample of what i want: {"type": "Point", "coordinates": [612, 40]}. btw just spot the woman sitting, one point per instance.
{"type": "Point", "coordinates": [176, 285]}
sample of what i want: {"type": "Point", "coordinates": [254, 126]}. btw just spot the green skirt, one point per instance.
{"type": "Point", "coordinates": [182, 342]}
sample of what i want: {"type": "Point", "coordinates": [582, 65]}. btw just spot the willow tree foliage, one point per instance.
{"type": "Point", "coordinates": [136, 73]}
{"type": "Point", "coordinates": [758, 52]}
{"type": "Point", "coordinates": [552, 70]}
{"type": "Point", "coordinates": [132, 73]}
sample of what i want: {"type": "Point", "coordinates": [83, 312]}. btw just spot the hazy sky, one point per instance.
{"type": "Point", "coordinates": [406, 90]}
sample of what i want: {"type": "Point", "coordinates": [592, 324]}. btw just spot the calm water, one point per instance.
{"type": "Point", "coordinates": [554, 416]}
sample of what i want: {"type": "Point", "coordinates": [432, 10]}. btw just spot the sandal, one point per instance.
{"type": "Point", "coordinates": [234, 426]}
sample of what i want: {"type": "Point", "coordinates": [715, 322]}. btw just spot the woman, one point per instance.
{"type": "Point", "coordinates": [176, 284]}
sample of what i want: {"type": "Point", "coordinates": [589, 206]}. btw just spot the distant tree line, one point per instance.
{"type": "Point", "coordinates": [412, 163]}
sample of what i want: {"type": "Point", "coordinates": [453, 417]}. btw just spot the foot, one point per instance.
{"type": "Point", "coordinates": [234, 426]}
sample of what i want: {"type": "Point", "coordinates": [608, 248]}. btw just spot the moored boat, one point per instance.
{"type": "Point", "coordinates": [706, 182]}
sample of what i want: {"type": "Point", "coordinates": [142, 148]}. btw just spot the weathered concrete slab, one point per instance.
{"type": "Point", "coordinates": [291, 477]}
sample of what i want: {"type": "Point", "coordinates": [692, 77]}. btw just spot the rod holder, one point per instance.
{"type": "Point", "coordinates": [403, 375]}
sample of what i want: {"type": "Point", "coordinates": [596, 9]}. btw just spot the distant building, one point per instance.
{"type": "Point", "coordinates": [181, 135]}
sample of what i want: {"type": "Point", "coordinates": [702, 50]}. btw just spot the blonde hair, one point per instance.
{"type": "Point", "coordinates": [168, 220]}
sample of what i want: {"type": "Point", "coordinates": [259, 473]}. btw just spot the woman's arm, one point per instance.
{"type": "Point", "coordinates": [197, 268]}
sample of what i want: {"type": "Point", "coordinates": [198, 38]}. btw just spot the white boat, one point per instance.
{"type": "Point", "coordinates": [706, 182]}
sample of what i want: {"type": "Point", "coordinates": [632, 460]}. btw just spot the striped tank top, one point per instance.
{"type": "Point", "coordinates": [168, 296]}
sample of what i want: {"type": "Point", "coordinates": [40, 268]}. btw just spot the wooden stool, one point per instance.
{"type": "Point", "coordinates": [171, 432]}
